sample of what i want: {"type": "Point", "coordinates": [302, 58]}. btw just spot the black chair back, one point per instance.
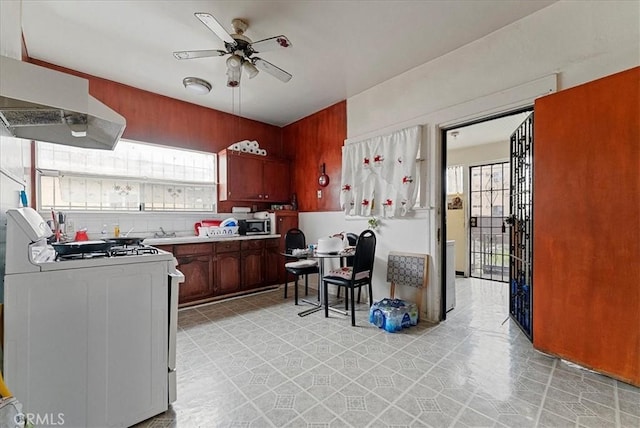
{"type": "Point", "coordinates": [365, 254]}
{"type": "Point", "coordinates": [353, 239]}
{"type": "Point", "coordinates": [294, 238]}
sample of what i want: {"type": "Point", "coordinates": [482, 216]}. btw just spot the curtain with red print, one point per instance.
{"type": "Point", "coordinates": [378, 174]}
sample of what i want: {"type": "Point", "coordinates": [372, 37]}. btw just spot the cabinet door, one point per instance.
{"type": "Point", "coordinates": [228, 273]}
{"type": "Point", "coordinates": [272, 261]}
{"type": "Point", "coordinates": [244, 178]}
{"type": "Point", "coordinates": [276, 181]}
{"type": "Point", "coordinates": [198, 274]}
{"type": "Point", "coordinates": [285, 220]}
{"type": "Point", "coordinates": [252, 263]}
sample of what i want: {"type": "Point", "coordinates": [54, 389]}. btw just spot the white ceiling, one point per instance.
{"type": "Point", "coordinates": [491, 131]}
{"type": "Point", "coordinates": [340, 48]}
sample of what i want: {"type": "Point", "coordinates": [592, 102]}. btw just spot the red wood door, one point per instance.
{"type": "Point", "coordinates": [586, 299]}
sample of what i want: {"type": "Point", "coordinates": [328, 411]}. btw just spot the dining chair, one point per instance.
{"type": "Point", "coordinates": [295, 239]}
{"type": "Point", "coordinates": [355, 276]}
{"type": "Point", "coordinates": [348, 261]}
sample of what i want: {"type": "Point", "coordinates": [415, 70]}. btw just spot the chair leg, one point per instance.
{"type": "Point", "coordinates": [370, 294]}
{"type": "Point", "coordinates": [338, 293]}
{"type": "Point", "coordinates": [306, 285]}
{"type": "Point", "coordinates": [325, 291]}
{"type": "Point", "coordinates": [296, 289]}
{"type": "Point", "coordinates": [286, 285]}
{"type": "Point", "coordinates": [346, 299]}
{"type": "Point", "coordinates": [359, 293]}
{"type": "Point", "coordinates": [353, 305]}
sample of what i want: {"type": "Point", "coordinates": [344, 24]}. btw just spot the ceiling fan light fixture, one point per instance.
{"type": "Point", "coordinates": [234, 62]}
{"type": "Point", "coordinates": [196, 85]}
{"type": "Point", "coordinates": [250, 69]}
{"type": "Point", "coordinates": [233, 77]}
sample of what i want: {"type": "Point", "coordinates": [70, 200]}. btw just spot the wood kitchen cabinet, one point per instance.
{"type": "Point", "coordinates": [252, 256]}
{"type": "Point", "coordinates": [214, 270]}
{"type": "Point", "coordinates": [285, 220]}
{"type": "Point", "coordinates": [228, 272]}
{"type": "Point", "coordinates": [248, 177]}
{"type": "Point", "coordinates": [272, 261]}
{"type": "Point", "coordinates": [197, 264]}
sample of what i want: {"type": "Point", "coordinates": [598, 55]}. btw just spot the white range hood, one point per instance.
{"type": "Point", "coordinates": [37, 103]}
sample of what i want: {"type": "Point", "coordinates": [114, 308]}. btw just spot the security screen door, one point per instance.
{"type": "Point", "coordinates": [489, 249]}
{"type": "Point", "coordinates": [521, 225]}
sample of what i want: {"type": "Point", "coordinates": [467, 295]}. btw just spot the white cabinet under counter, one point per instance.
{"type": "Point", "coordinates": [89, 345]}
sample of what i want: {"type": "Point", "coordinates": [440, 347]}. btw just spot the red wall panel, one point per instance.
{"type": "Point", "coordinates": [586, 287]}
{"type": "Point", "coordinates": [309, 143]}
{"type": "Point", "coordinates": [158, 119]}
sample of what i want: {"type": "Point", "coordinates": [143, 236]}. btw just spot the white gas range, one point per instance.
{"type": "Point", "coordinates": [89, 340]}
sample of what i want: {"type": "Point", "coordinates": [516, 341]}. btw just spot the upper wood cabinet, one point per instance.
{"type": "Point", "coordinates": [247, 177]}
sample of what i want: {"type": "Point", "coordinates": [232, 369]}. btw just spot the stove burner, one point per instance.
{"type": "Point", "coordinates": [137, 250]}
{"type": "Point", "coordinates": [78, 256]}
{"type": "Point", "coordinates": [120, 251]}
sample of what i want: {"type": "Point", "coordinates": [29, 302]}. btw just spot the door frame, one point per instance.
{"type": "Point", "coordinates": [443, 191]}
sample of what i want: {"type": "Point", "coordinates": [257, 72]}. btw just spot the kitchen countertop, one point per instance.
{"type": "Point", "coordinates": [199, 239]}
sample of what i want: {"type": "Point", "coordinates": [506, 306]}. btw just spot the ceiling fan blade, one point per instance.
{"type": "Point", "coordinates": [270, 44]}
{"type": "Point", "coordinates": [198, 54]}
{"type": "Point", "coordinates": [213, 25]}
{"type": "Point", "coordinates": [276, 72]}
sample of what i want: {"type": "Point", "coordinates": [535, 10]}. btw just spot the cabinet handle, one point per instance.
{"type": "Point", "coordinates": [266, 196]}
{"type": "Point", "coordinates": [260, 196]}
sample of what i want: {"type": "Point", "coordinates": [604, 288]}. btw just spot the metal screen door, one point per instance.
{"type": "Point", "coordinates": [521, 223]}
{"type": "Point", "coordinates": [489, 194]}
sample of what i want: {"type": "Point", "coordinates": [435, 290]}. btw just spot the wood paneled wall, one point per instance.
{"type": "Point", "coordinates": [158, 119]}
{"type": "Point", "coordinates": [586, 288]}
{"type": "Point", "coordinates": [309, 143]}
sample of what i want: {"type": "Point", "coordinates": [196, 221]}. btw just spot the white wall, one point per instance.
{"type": "Point", "coordinates": [578, 41]}
{"type": "Point", "coordinates": [15, 160]}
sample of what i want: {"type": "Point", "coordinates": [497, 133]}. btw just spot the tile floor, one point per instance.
{"type": "Point", "coordinates": [252, 362]}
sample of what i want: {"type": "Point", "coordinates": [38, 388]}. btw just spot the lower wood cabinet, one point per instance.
{"type": "Point", "coordinates": [196, 262]}
{"type": "Point", "coordinates": [252, 256]}
{"type": "Point", "coordinates": [272, 261]}
{"type": "Point", "coordinates": [285, 220]}
{"type": "Point", "coordinates": [216, 269]}
{"type": "Point", "coordinates": [229, 272]}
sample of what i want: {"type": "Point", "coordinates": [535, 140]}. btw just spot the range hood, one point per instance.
{"type": "Point", "coordinates": [37, 103]}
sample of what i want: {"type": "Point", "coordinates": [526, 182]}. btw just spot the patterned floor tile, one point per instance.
{"type": "Point", "coordinates": [253, 362]}
{"type": "Point", "coordinates": [322, 381]}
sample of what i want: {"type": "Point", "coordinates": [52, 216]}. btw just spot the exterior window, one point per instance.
{"type": "Point", "coordinates": [454, 180]}
{"type": "Point", "coordinates": [133, 177]}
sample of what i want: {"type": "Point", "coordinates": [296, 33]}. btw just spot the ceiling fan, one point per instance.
{"type": "Point", "coordinates": [240, 49]}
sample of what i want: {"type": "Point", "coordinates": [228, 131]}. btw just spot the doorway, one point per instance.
{"type": "Point", "coordinates": [482, 146]}
{"type": "Point", "coordinates": [489, 202]}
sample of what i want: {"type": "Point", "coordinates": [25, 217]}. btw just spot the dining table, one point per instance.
{"type": "Point", "coordinates": [321, 257]}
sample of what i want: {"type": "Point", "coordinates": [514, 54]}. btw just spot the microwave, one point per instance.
{"type": "Point", "coordinates": [254, 226]}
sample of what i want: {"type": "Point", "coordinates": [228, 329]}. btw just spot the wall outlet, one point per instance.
{"type": "Point", "coordinates": [319, 194]}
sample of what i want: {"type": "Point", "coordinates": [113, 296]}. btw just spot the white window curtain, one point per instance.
{"type": "Point", "coordinates": [455, 183]}
{"type": "Point", "coordinates": [379, 174]}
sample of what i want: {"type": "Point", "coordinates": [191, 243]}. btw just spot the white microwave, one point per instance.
{"type": "Point", "coordinates": [254, 226]}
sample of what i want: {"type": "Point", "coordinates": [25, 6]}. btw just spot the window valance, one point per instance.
{"type": "Point", "coordinates": [379, 174]}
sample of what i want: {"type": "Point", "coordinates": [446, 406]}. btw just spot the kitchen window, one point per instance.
{"type": "Point", "coordinates": [133, 177]}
